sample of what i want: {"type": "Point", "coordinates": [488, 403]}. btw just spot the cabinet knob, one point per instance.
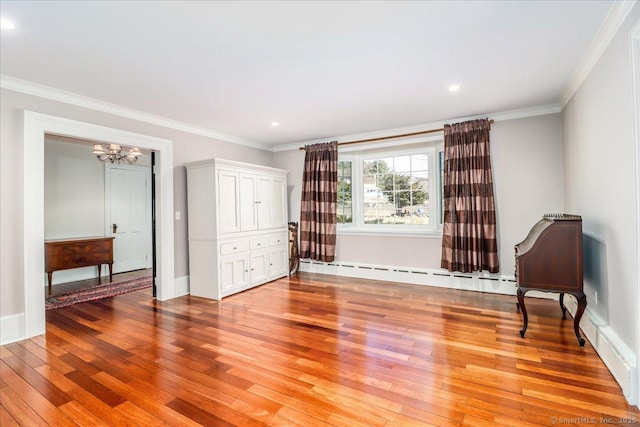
{"type": "Point", "coordinates": [235, 248]}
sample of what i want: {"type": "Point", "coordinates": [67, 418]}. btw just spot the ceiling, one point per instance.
{"type": "Point", "coordinates": [320, 69]}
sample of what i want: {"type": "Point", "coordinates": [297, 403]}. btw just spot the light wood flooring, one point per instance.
{"type": "Point", "coordinates": [310, 350]}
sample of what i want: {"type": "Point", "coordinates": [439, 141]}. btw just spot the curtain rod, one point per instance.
{"type": "Point", "coordinates": [360, 141]}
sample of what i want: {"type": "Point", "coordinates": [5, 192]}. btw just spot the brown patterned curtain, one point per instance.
{"type": "Point", "coordinates": [319, 201]}
{"type": "Point", "coordinates": [469, 240]}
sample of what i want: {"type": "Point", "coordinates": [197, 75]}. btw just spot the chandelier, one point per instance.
{"type": "Point", "coordinates": [114, 153]}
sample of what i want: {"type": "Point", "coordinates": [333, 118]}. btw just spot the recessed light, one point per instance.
{"type": "Point", "coordinates": [454, 88]}
{"type": "Point", "coordinates": [5, 24]}
{"type": "Point", "coordinates": [275, 124]}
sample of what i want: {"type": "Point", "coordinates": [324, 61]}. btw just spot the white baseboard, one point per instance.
{"type": "Point", "coordinates": [616, 355]}
{"type": "Point", "coordinates": [481, 282]}
{"type": "Point", "coordinates": [12, 328]}
{"type": "Point", "coordinates": [181, 286]}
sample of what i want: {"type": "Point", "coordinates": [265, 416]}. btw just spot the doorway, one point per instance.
{"type": "Point", "coordinates": [35, 127]}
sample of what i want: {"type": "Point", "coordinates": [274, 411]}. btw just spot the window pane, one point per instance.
{"type": "Point", "coordinates": [370, 167]}
{"type": "Point", "coordinates": [402, 182]}
{"type": "Point", "coordinates": [345, 195]}
{"type": "Point", "coordinates": [402, 164]}
{"type": "Point", "coordinates": [385, 182]}
{"type": "Point", "coordinates": [385, 165]}
{"type": "Point", "coordinates": [419, 162]}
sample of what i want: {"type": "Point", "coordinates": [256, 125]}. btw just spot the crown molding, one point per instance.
{"type": "Point", "coordinates": [41, 91]}
{"type": "Point", "coordinates": [499, 116]}
{"type": "Point", "coordinates": [615, 18]}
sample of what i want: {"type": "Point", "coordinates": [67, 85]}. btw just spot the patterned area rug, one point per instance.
{"type": "Point", "coordinates": [97, 292]}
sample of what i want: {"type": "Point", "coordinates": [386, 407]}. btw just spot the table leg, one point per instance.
{"type": "Point", "coordinates": [582, 305]}
{"type": "Point", "coordinates": [111, 272]}
{"type": "Point", "coordinates": [50, 279]}
{"type": "Point", "coordinates": [525, 318]}
{"type": "Point", "coordinates": [99, 273]}
{"type": "Point", "coordinates": [562, 307]}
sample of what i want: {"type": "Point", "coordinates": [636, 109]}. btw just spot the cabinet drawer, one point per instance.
{"type": "Point", "coordinates": [258, 243]}
{"type": "Point", "coordinates": [233, 248]}
{"type": "Point", "coordinates": [279, 240]}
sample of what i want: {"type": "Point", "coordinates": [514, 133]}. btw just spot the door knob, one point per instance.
{"type": "Point", "coordinates": [115, 228]}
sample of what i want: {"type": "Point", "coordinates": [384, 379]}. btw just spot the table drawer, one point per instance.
{"type": "Point", "coordinates": [233, 248]}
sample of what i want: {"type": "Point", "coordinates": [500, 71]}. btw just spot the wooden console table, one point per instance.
{"type": "Point", "coordinates": [66, 254]}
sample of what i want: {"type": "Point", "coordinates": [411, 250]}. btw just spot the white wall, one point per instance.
{"type": "Point", "coordinates": [599, 175]}
{"type": "Point", "coordinates": [73, 192]}
{"type": "Point", "coordinates": [527, 162]}
{"type": "Point", "coordinates": [187, 147]}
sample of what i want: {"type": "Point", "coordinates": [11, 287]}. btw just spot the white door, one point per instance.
{"type": "Point", "coordinates": [128, 215]}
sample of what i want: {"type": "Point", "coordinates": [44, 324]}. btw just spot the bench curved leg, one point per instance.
{"type": "Point", "coordinates": [562, 307]}
{"type": "Point", "coordinates": [525, 318]}
{"type": "Point", "coordinates": [582, 305]}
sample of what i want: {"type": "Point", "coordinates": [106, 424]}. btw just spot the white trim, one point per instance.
{"type": "Point", "coordinates": [11, 328]}
{"type": "Point", "coordinates": [481, 282]}
{"type": "Point", "coordinates": [34, 89]}
{"type": "Point", "coordinates": [181, 286]}
{"type": "Point", "coordinates": [615, 18]}
{"type": "Point", "coordinates": [616, 355]}
{"type": "Point", "coordinates": [634, 45]}
{"type": "Point", "coordinates": [35, 127]}
{"type": "Point", "coordinates": [497, 117]}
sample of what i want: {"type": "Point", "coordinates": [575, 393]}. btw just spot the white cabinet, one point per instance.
{"type": "Point", "coordinates": [228, 217]}
{"type": "Point", "coordinates": [238, 212]}
{"type": "Point", "coordinates": [234, 273]}
{"type": "Point", "coordinates": [278, 261]}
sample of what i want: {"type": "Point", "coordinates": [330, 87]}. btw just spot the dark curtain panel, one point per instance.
{"type": "Point", "coordinates": [469, 240]}
{"type": "Point", "coordinates": [319, 201]}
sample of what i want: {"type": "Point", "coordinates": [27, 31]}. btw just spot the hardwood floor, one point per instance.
{"type": "Point", "coordinates": [310, 350]}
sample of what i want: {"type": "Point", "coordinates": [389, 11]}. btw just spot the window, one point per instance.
{"type": "Point", "coordinates": [390, 191]}
{"type": "Point", "coordinates": [345, 213]}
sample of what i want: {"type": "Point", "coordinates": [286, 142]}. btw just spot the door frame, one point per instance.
{"type": "Point", "coordinates": [107, 203]}
{"type": "Point", "coordinates": [35, 125]}
{"type": "Point", "coordinates": [634, 47]}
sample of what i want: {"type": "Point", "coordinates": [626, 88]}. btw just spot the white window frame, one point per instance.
{"type": "Point", "coordinates": [357, 157]}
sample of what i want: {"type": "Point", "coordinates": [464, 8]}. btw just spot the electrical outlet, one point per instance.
{"type": "Point", "coordinates": [595, 297]}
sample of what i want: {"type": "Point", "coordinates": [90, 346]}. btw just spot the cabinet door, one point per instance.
{"type": "Point", "coordinates": [228, 201]}
{"type": "Point", "coordinates": [278, 261]}
{"type": "Point", "coordinates": [248, 205]}
{"type": "Point", "coordinates": [278, 203]}
{"type": "Point", "coordinates": [233, 273]}
{"type": "Point", "coordinates": [264, 197]}
{"type": "Point", "coordinates": [259, 267]}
